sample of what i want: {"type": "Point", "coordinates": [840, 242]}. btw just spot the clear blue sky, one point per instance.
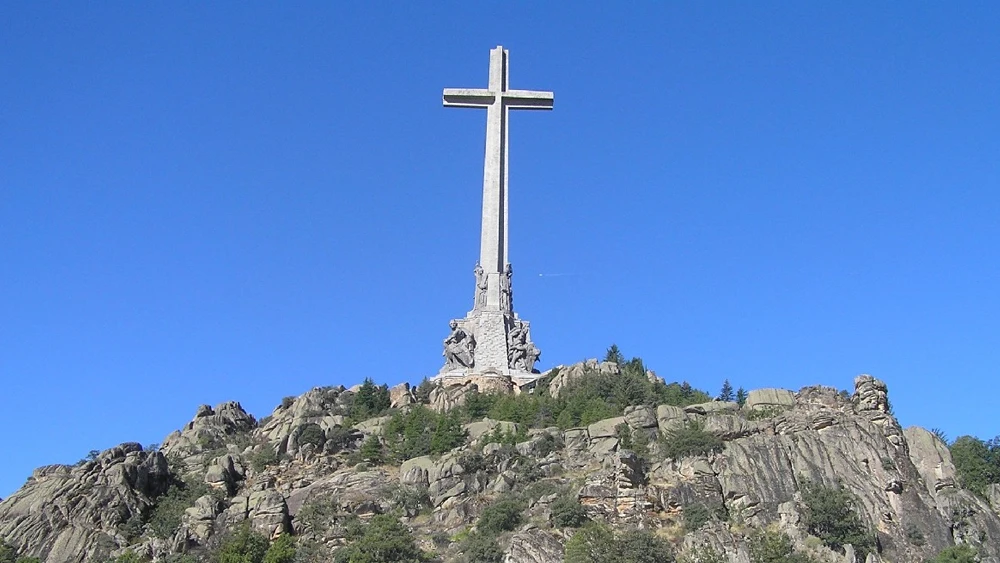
{"type": "Point", "coordinates": [241, 202]}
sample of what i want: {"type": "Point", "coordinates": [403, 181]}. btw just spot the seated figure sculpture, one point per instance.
{"type": "Point", "coordinates": [459, 348]}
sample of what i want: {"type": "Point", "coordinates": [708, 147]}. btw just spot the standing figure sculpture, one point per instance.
{"type": "Point", "coordinates": [459, 348]}
{"type": "Point", "coordinates": [506, 294]}
{"type": "Point", "coordinates": [482, 282]}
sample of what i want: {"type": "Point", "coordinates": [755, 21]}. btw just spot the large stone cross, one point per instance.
{"type": "Point", "coordinates": [498, 99]}
{"type": "Point", "coordinates": [491, 339]}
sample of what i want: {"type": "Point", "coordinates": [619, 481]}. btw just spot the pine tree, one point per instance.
{"type": "Point", "coordinates": [371, 451]}
{"type": "Point", "coordinates": [727, 391]}
{"type": "Point", "coordinates": [614, 355]}
{"type": "Point", "coordinates": [741, 396]}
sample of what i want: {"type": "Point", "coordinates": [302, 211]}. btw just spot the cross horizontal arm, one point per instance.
{"type": "Point", "coordinates": [468, 97]}
{"type": "Point", "coordinates": [528, 99]}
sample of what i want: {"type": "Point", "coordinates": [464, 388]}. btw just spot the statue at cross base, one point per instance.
{"type": "Point", "coordinates": [500, 341]}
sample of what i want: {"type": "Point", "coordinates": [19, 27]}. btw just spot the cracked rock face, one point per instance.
{"type": "Point", "coordinates": [65, 513]}
{"type": "Point", "coordinates": [904, 481]}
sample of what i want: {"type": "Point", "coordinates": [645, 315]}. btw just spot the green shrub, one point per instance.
{"type": "Point", "coordinates": [544, 488]}
{"type": "Point", "coordinates": [282, 550]}
{"type": "Point", "coordinates": [423, 391]}
{"type": "Point", "coordinates": [586, 399]}
{"type": "Point", "coordinates": [411, 500]}
{"type": "Point", "coordinates": [311, 433]}
{"type": "Point", "coordinates": [914, 535]}
{"type": "Point", "coordinates": [546, 444]}
{"type": "Point", "coordinates": [529, 410]}
{"type": "Point", "coordinates": [695, 516]}
{"type": "Point", "coordinates": [131, 529]}
{"type": "Point", "coordinates": [371, 400]}
{"type": "Point", "coordinates": [421, 431]}
{"type": "Point", "coordinates": [317, 514]}
{"type": "Point", "coordinates": [956, 554]}
{"type": "Point", "coordinates": [502, 516]}
{"type": "Point", "coordinates": [477, 405]}
{"type": "Point", "coordinates": [165, 517]}
{"type": "Point", "coordinates": [472, 462]}
{"type": "Point", "coordinates": [582, 410]}
{"type": "Point", "coordinates": [385, 540]}
{"type": "Point", "coordinates": [830, 515]}
{"type": "Point", "coordinates": [596, 543]}
{"type": "Point", "coordinates": [977, 463]}
{"type": "Point", "coordinates": [480, 548]}
{"type": "Point", "coordinates": [689, 440]}
{"type": "Point", "coordinates": [526, 470]}
{"type": "Point", "coordinates": [339, 438]}
{"type": "Point", "coordinates": [624, 434]}
{"type": "Point", "coordinates": [448, 433]}
{"type": "Point", "coordinates": [680, 394]}
{"type": "Point", "coordinates": [287, 401]}
{"type": "Point", "coordinates": [702, 554]}
{"type": "Point", "coordinates": [769, 411]}
{"type": "Point", "coordinates": [506, 437]}
{"type": "Point", "coordinates": [772, 546]}
{"type": "Point", "coordinates": [567, 512]}
{"type": "Point", "coordinates": [128, 556]}
{"type": "Point", "coordinates": [264, 457]}
{"type": "Point", "coordinates": [371, 451]}
{"type": "Point", "coordinates": [243, 545]}
{"type": "Point", "coordinates": [8, 553]}
{"type": "Point", "coordinates": [640, 546]}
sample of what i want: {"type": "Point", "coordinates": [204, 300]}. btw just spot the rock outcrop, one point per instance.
{"type": "Point", "coordinates": [73, 513]}
{"type": "Point", "coordinates": [300, 471]}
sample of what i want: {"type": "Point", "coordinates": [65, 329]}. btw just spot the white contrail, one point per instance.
{"type": "Point", "coordinates": [554, 275]}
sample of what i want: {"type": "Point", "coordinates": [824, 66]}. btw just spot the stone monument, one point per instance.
{"type": "Point", "coordinates": [492, 340]}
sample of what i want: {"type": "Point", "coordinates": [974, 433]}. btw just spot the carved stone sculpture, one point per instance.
{"type": "Point", "coordinates": [482, 283]}
{"type": "Point", "coordinates": [521, 352]}
{"type": "Point", "coordinates": [506, 293]}
{"type": "Point", "coordinates": [459, 348]}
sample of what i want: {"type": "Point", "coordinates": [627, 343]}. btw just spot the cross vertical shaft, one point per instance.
{"type": "Point", "coordinates": [493, 244]}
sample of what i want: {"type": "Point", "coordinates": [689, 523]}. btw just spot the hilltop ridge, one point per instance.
{"type": "Point", "coordinates": [600, 461]}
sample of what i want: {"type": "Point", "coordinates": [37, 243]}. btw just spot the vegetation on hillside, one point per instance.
{"type": "Point", "coordinates": [9, 554]}
{"type": "Point", "coordinates": [371, 400]}
{"type": "Point", "coordinates": [587, 399]}
{"type": "Point", "coordinates": [830, 515]}
{"type": "Point", "coordinates": [956, 554]}
{"type": "Point", "coordinates": [772, 546]}
{"type": "Point", "coordinates": [598, 543]}
{"type": "Point", "coordinates": [421, 431]}
{"type": "Point", "coordinates": [383, 540]}
{"type": "Point", "coordinates": [689, 440]}
{"type": "Point", "coordinates": [166, 515]}
{"type": "Point", "coordinates": [977, 463]}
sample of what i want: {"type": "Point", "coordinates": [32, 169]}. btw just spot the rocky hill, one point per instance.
{"type": "Point", "coordinates": [408, 474]}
